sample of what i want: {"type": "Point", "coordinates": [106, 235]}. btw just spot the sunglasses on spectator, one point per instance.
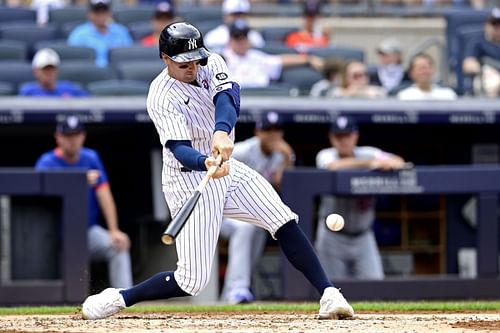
{"type": "Point", "coordinates": [358, 75]}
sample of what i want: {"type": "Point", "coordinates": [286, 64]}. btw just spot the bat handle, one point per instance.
{"type": "Point", "coordinates": [167, 239]}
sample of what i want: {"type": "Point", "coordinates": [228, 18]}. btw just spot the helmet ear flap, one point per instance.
{"type": "Point", "coordinates": [203, 62]}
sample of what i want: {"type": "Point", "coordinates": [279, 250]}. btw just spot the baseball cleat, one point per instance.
{"type": "Point", "coordinates": [102, 305]}
{"type": "Point", "coordinates": [333, 305]}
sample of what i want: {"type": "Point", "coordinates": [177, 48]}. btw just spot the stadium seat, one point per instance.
{"type": "Point", "coordinates": [128, 15]}
{"type": "Point", "coordinates": [30, 33]}
{"type": "Point", "coordinates": [199, 14]}
{"type": "Point", "coordinates": [272, 90]}
{"type": "Point", "coordinates": [68, 52]}
{"type": "Point", "coordinates": [15, 73]}
{"type": "Point", "coordinates": [338, 52]}
{"type": "Point", "coordinates": [66, 28]}
{"type": "Point", "coordinates": [84, 72]}
{"type": "Point", "coordinates": [276, 34]}
{"type": "Point", "coordinates": [12, 50]}
{"type": "Point", "coordinates": [132, 53]}
{"type": "Point", "coordinates": [139, 30]}
{"type": "Point", "coordinates": [11, 14]}
{"type": "Point", "coordinates": [207, 25]}
{"type": "Point", "coordinates": [7, 89]}
{"type": "Point", "coordinates": [144, 71]}
{"type": "Point", "coordinates": [302, 77]}
{"type": "Point", "coordinates": [118, 88]}
{"type": "Point", "coordinates": [68, 14]}
{"type": "Point", "coordinates": [277, 48]}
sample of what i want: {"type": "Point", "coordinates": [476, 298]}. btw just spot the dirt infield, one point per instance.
{"type": "Point", "coordinates": [253, 322]}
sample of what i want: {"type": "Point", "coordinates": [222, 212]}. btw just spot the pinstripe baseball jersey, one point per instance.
{"type": "Point", "coordinates": [186, 111]}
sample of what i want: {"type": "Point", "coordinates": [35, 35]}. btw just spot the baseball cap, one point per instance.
{"type": "Point", "coordinates": [70, 125]}
{"type": "Point", "coordinates": [164, 9]}
{"type": "Point", "coordinates": [235, 6]}
{"type": "Point", "coordinates": [97, 5]}
{"type": "Point", "coordinates": [389, 46]}
{"type": "Point", "coordinates": [343, 125]}
{"type": "Point", "coordinates": [238, 28]}
{"type": "Point", "coordinates": [269, 120]}
{"type": "Point", "coordinates": [494, 17]}
{"type": "Point", "coordinates": [311, 8]}
{"type": "Point", "coordinates": [45, 57]}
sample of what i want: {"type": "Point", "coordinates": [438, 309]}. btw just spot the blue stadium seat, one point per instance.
{"type": "Point", "coordinates": [30, 33]}
{"type": "Point", "coordinates": [302, 78]}
{"type": "Point", "coordinates": [276, 34]}
{"type": "Point", "coordinates": [66, 28]}
{"type": "Point", "coordinates": [15, 73]}
{"type": "Point", "coordinates": [138, 70]}
{"type": "Point", "coordinates": [278, 48]}
{"type": "Point", "coordinates": [207, 25]}
{"type": "Point", "coordinates": [13, 50]}
{"type": "Point", "coordinates": [11, 14]}
{"type": "Point", "coordinates": [118, 88]}
{"type": "Point", "coordinates": [68, 14]}
{"type": "Point", "coordinates": [68, 52]}
{"type": "Point", "coordinates": [84, 72]}
{"type": "Point", "coordinates": [196, 15]}
{"type": "Point", "coordinates": [118, 55]}
{"type": "Point", "coordinates": [128, 15]}
{"type": "Point", "coordinates": [7, 89]}
{"type": "Point", "coordinates": [139, 30]}
{"type": "Point", "coordinates": [272, 90]}
{"type": "Point", "coordinates": [339, 52]}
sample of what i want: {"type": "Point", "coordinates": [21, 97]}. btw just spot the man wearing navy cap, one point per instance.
{"type": "Point", "coordinates": [480, 48]}
{"type": "Point", "coordinates": [164, 15]}
{"type": "Point", "coordinates": [269, 154]}
{"type": "Point", "coordinates": [100, 32]}
{"type": "Point", "coordinates": [351, 252]}
{"type": "Point", "coordinates": [111, 244]}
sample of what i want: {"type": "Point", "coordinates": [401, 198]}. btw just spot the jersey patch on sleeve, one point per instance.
{"type": "Point", "coordinates": [221, 76]}
{"type": "Point", "coordinates": [224, 86]}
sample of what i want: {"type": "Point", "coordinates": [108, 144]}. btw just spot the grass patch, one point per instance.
{"type": "Point", "coordinates": [420, 306]}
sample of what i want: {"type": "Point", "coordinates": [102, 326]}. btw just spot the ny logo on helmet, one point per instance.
{"type": "Point", "coordinates": [192, 44]}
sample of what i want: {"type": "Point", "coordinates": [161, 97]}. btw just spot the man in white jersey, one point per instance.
{"type": "Point", "coordinates": [352, 252]}
{"type": "Point", "coordinates": [194, 105]}
{"type": "Point", "coordinates": [269, 154]}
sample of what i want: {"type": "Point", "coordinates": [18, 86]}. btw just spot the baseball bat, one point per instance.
{"type": "Point", "coordinates": [175, 226]}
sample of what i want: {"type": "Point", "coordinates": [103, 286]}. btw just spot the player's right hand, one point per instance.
{"type": "Point", "coordinates": [222, 145]}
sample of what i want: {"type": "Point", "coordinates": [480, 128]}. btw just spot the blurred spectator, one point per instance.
{"type": "Point", "coordinates": [355, 83]}
{"type": "Point", "coordinates": [488, 75]}
{"type": "Point", "coordinates": [269, 154]}
{"type": "Point", "coordinates": [163, 16]}
{"type": "Point", "coordinates": [100, 33]}
{"type": "Point", "coordinates": [216, 39]}
{"type": "Point", "coordinates": [422, 72]}
{"type": "Point", "coordinates": [253, 68]}
{"type": "Point", "coordinates": [351, 252]}
{"type": "Point", "coordinates": [109, 244]}
{"type": "Point", "coordinates": [45, 70]}
{"type": "Point", "coordinates": [310, 35]}
{"type": "Point", "coordinates": [331, 70]}
{"type": "Point", "coordinates": [390, 72]}
{"type": "Point", "coordinates": [43, 7]}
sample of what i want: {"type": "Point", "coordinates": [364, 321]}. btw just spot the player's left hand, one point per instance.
{"type": "Point", "coordinates": [223, 167]}
{"type": "Point", "coordinates": [119, 240]}
{"type": "Point", "coordinates": [222, 145]}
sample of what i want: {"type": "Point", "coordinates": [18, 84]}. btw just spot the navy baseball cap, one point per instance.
{"type": "Point", "coordinates": [164, 9]}
{"type": "Point", "coordinates": [70, 125]}
{"type": "Point", "coordinates": [343, 125]}
{"type": "Point", "coordinates": [99, 5]}
{"type": "Point", "coordinates": [494, 17]}
{"type": "Point", "coordinates": [239, 28]}
{"type": "Point", "coordinates": [311, 8]}
{"type": "Point", "coordinates": [269, 120]}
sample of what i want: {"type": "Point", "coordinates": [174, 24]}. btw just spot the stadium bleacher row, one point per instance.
{"type": "Point", "coordinates": [131, 68]}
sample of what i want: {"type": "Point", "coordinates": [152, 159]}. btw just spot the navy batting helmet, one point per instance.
{"type": "Point", "coordinates": [183, 42]}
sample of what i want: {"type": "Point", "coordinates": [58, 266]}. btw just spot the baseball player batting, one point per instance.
{"type": "Point", "coordinates": [194, 106]}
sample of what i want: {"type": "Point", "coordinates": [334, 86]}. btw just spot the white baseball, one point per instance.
{"type": "Point", "coordinates": [335, 222]}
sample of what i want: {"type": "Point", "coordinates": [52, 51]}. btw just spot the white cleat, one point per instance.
{"type": "Point", "coordinates": [333, 305]}
{"type": "Point", "coordinates": [102, 305]}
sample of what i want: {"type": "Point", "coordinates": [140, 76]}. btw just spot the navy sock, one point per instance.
{"type": "Point", "coordinates": [300, 253]}
{"type": "Point", "coordinates": [159, 286]}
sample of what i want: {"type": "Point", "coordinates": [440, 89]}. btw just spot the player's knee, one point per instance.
{"type": "Point", "coordinates": [192, 281]}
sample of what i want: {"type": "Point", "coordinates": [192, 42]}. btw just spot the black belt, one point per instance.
{"type": "Point", "coordinates": [184, 169]}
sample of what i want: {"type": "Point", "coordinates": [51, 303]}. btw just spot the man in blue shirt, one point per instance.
{"type": "Point", "coordinates": [109, 244]}
{"type": "Point", "coordinates": [100, 33]}
{"type": "Point", "coordinates": [45, 69]}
